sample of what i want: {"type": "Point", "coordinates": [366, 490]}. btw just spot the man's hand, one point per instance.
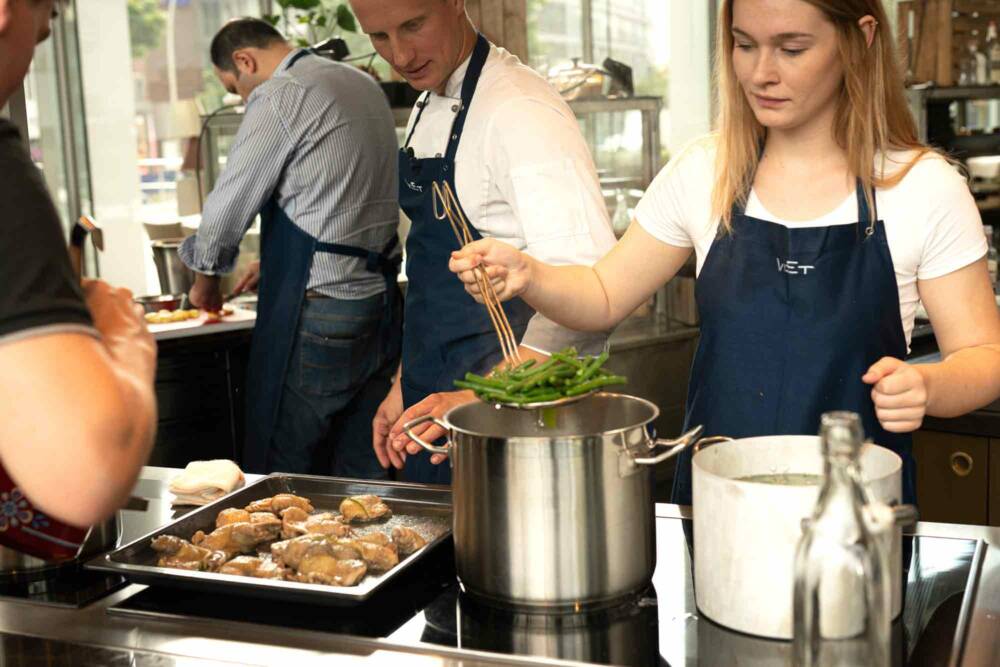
{"type": "Point", "coordinates": [123, 330]}
{"type": "Point", "coordinates": [900, 394]}
{"type": "Point", "coordinates": [388, 413]}
{"type": "Point", "coordinates": [206, 293]}
{"type": "Point", "coordinates": [249, 280]}
{"type": "Point", "coordinates": [435, 404]}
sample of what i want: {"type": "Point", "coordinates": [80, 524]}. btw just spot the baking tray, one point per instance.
{"type": "Point", "coordinates": [423, 508]}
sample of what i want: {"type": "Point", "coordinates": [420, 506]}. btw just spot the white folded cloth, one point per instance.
{"type": "Point", "coordinates": [204, 482]}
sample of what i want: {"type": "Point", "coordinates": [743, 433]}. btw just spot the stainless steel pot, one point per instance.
{"type": "Point", "coordinates": [175, 277]}
{"type": "Point", "coordinates": [17, 567]}
{"type": "Point", "coordinates": [552, 517]}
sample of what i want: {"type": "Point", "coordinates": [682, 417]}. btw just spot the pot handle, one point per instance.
{"type": "Point", "coordinates": [709, 441]}
{"type": "Point", "coordinates": [407, 428]}
{"type": "Point", "coordinates": [676, 447]}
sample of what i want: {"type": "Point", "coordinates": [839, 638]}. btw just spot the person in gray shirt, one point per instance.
{"type": "Point", "coordinates": [315, 156]}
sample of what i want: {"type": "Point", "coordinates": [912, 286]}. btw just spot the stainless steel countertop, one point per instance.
{"type": "Point", "coordinates": [248, 644]}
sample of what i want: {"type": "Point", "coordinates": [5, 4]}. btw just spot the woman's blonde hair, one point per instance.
{"type": "Point", "coordinates": [872, 114]}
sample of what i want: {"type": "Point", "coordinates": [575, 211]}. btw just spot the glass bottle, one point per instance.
{"type": "Point", "coordinates": [621, 219]}
{"type": "Point", "coordinates": [841, 608]}
{"type": "Point", "coordinates": [993, 52]}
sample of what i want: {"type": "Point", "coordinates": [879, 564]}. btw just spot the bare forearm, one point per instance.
{"type": "Point", "coordinates": [572, 296]}
{"type": "Point", "coordinates": [962, 382]}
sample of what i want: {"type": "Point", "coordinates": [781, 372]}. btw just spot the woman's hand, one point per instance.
{"type": "Point", "coordinates": [508, 269]}
{"type": "Point", "coordinates": [900, 394]}
{"type": "Point", "coordinates": [435, 404]}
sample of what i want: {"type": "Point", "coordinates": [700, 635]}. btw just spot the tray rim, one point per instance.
{"type": "Point", "coordinates": [240, 585]}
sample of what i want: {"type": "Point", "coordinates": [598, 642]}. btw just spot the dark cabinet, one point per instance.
{"type": "Point", "coordinates": [953, 477]}
{"type": "Point", "coordinates": [200, 386]}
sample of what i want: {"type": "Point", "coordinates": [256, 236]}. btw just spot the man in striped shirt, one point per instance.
{"type": "Point", "coordinates": [315, 155]}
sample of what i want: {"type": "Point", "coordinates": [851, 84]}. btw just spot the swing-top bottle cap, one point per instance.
{"type": "Point", "coordinates": [841, 433]}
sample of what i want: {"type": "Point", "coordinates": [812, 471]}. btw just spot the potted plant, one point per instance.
{"type": "Point", "coordinates": [309, 22]}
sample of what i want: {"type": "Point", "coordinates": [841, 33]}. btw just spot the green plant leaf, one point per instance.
{"type": "Point", "coordinates": [345, 19]}
{"type": "Point", "coordinates": [273, 19]}
{"type": "Point", "coordinates": [300, 4]}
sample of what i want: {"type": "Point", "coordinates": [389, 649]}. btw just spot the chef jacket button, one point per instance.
{"type": "Point", "coordinates": [454, 137]}
{"type": "Point", "coordinates": [454, 108]}
{"type": "Point", "coordinates": [437, 155]}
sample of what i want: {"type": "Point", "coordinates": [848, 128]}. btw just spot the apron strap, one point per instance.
{"type": "Point", "coordinates": [866, 224]}
{"type": "Point", "coordinates": [375, 262]}
{"type": "Point", "coordinates": [421, 105]}
{"type": "Point", "coordinates": [476, 64]}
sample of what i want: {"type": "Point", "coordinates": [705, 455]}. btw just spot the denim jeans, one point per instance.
{"type": "Point", "coordinates": [340, 371]}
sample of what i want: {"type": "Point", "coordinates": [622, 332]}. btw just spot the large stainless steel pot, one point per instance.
{"type": "Point", "coordinates": [175, 277]}
{"type": "Point", "coordinates": [554, 517]}
{"type": "Point", "coordinates": [745, 533]}
{"type": "Point", "coordinates": [19, 567]}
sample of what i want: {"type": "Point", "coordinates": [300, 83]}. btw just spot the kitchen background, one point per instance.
{"type": "Point", "coordinates": [130, 155]}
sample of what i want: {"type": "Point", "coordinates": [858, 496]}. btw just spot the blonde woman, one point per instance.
{"type": "Point", "coordinates": [818, 222]}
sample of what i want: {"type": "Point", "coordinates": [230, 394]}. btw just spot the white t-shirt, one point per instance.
{"type": "Point", "coordinates": [524, 174]}
{"type": "Point", "coordinates": [931, 220]}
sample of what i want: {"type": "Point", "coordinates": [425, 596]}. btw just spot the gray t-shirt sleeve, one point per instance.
{"type": "Point", "coordinates": [38, 292]}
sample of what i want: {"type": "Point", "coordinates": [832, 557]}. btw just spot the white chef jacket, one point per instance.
{"type": "Point", "coordinates": [524, 175]}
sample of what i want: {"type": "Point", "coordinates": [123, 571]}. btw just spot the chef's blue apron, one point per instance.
{"type": "Point", "coordinates": [445, 332]}
{"type": "Point", "coordinates": [791, 319]}
{"type": "Point", "coordinates": [286, 257]}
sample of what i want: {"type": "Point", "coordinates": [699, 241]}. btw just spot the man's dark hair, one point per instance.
{"type": "Point", "coordinates": [241, 34]}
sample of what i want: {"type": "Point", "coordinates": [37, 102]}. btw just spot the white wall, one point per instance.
{"type": "Point", "coordinates": [111, 135]}
{"type": "Point", "coordinates": [690, 72]}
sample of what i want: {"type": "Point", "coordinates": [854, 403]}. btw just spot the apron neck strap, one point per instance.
{"type": "Point", "coordinates": [866, 222]}
{"type": "Point", "coordinates": [478, 60]}
{"type": "Point", "coordinates": [297, 57]}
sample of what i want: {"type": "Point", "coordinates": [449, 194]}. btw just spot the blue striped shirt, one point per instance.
{"type": "Point", "coordinates": [321, 136]}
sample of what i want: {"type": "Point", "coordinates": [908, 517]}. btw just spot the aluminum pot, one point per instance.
{"type": "Point", "coordinates": [556, 516]}
{"type": "Point", "coordinates": [746, 533]}
{"type": "Point", "coordinates": [18, 567]}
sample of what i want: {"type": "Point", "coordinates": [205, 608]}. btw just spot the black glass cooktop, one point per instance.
{"type": "Point", "coordinates": [661, 626]}
{"type": "Point", "coordinates": [73, 588]}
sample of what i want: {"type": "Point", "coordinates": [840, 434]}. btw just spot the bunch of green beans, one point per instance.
{"type": "Point", "coordinates": [563, 375]}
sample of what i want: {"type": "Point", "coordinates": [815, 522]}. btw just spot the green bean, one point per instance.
{"type": "Point", "coordinates": [583, 388]}
{"type": "Point", "coordinates": [564, 374]}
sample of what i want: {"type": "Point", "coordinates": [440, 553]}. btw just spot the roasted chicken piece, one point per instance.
{"type": "Point", "coordinates": [231, 515]}
{"type": "Point", "coordinates": [295, 522]}
{"type": "Point", "coordinates": [407, 540]}
{"type": "Point", "coordinates": [261, 567]}
{"type": "Point", "coordinates": [379, 558]}
{"type": "Point", "coordinates": [282, 501]}
{"type": "Point", "coordinates": [322, 569]}
{"type": "Point", "coordinates": [264, 517]}
{"type": "Point", "coordinates": [237, 538]}
{"type": "Point", "coordinates": [290, 553]}
{"type": "Point", "coordinates": [179, 553]}
{"type": "Point", "coordinates": [361, 509]}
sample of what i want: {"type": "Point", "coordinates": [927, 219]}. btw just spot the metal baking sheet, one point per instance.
{"type": "Point", "coordinates": [425, 509]}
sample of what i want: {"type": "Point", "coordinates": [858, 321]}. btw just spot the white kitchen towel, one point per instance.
{"type": "Point", "coordinates": [203, 482]}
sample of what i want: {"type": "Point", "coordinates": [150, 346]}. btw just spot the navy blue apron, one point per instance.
{"type": "Point", "coordinates": [790, 321]}
{"type": "Point", "coordinates": [445, 332]}
{"type": "Point", "coordinates": [286, 257]}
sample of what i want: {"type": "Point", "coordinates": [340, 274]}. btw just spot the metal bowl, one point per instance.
{"type": "Point", "coordinates": [158, 302]}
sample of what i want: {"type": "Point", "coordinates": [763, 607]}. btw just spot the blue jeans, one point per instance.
{"type": "Point", "coordinates": [340, 371]}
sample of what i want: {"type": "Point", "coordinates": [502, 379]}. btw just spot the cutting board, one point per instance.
{"type": "Point", "coordinates": [240, 319]}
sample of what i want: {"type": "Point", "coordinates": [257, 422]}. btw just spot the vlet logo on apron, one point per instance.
{"type": "Point", "coordinates": [793, 268]}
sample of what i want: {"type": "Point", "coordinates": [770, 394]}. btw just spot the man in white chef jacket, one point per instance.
{"type": "Point", "coordinates": [512, 150]}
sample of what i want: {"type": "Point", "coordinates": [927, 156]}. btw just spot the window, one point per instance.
{"type": "Point", "coordinates": [146, 79]}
